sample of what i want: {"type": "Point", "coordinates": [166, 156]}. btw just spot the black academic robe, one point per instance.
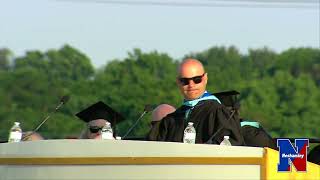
{"type": "Point", "coordinates": [257, 137]}
{"type": "Point", "coordinates": [211, 120]}
{"type": "Point", "coordinates": [314, 155]}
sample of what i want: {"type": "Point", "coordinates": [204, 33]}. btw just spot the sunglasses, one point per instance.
{"type": "Point", "coordinates": [195, 79]}
{"type": "Point", "coordinates": [95, 129]}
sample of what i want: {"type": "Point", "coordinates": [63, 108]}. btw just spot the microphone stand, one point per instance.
{"type": "Point", "coordinates": [63, 100]}
{"type": "Point", "coordinates": [134, 125]}
{"type": "Point", "coordinates": [210, 141]}
{"type": "Point", "coordinates": [56, 109]}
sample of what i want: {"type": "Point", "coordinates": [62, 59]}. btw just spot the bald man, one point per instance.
{"type": "Point", "coordinates": [31, 136]}
{"type": "Point", "coordinates": [161, 111]}
{"type": "Point", "coordinates": [211, 120]}
{"type": "Point", "coordinates": [158, 114]}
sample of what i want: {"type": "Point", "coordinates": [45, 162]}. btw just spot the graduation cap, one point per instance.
{"type": "Point", "coordinates": [100, 110]}
{"type": "Point", "coordinates": [229, 98]}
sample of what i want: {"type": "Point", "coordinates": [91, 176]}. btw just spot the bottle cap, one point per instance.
{"type": "Point", "coordinates": [118, 138]}
{"type": "Point", "coordinates": [226, 137]}
{"type": "Point", "coordinates": [190, 123]}
{"type": "Point", "coordinates": [17, 123]}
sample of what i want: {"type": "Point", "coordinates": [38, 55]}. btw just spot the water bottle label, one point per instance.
{"type": "Point", "coordinates": [15, 136]}
{"type": "Point", "coordinates": [107, 136]}
{"type": "Point", "coordinates": [190, 136]}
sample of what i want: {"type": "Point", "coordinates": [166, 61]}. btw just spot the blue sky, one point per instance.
{"type": "Point", "coordinates": [106, 31]}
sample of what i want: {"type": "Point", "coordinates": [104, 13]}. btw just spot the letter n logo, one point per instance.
{"type": "Point", "coordinates": [292, 155]}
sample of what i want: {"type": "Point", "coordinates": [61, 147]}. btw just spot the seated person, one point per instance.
{"type": "Point", "coordinates": [96, 117]}
{"type": "Point", "coordinates": [159, 113]}
{"type": "Point", "coordinates": [211, 119]}
{"type": "Point", "coordinates": [252, 131]}
{"type": "Point", "coordinates": [31, 136]}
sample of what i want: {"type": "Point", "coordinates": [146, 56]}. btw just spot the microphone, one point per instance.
{"type": "Point", "coordinates": [147, 108]}
{"type": "Point", "coordinates": [63, 100]}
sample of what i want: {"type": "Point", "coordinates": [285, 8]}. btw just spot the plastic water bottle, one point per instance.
{"type": "Point", "coordinates": [225, 141]}
{"type": "Point", "coordinates": [107, 132]}
{"type": "Point", "coordinates": [189, 134]}
{"type": "Point", "coordinates": [15, 134]}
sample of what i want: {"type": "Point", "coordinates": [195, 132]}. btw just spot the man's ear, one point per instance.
{"type": "Point", "coordinates": [205, 78]}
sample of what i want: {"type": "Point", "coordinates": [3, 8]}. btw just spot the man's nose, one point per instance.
{"type": "Point", "coordinates": [191, 83]}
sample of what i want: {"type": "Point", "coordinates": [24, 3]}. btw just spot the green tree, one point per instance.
{"type": "Point", "coordinates": [280, 90]}
{"type": "Point", "coordinates": [5, 55]}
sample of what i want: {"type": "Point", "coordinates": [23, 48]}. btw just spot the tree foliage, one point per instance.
{"type": "Point", "coordinates": [280, 90]}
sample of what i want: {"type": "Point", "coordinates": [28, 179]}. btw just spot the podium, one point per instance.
{"type": "Point", "coordinates": [123, 159]}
